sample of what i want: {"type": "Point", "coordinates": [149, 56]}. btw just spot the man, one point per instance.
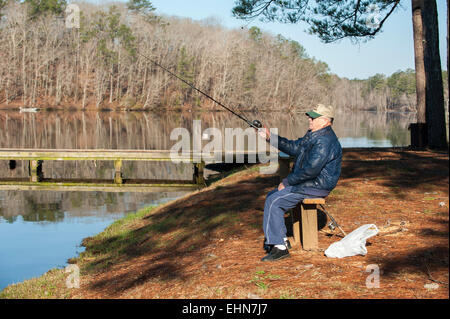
{"type": "Point", "coordinates": [316, 170]}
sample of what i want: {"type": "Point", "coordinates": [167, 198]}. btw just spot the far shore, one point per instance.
{"type": "Point", "coordinates": [209, 107]}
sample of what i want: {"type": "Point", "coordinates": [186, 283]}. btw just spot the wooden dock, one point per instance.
{"type": "Point", "coordinates": [37, 179]}
{"type": "Point", "coordinates": [94, 187]}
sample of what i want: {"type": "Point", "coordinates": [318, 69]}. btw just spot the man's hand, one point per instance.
{"type": "Point", "coordinates": [264, 133]}
{"type": "Point", "coordinates": [280, 187]}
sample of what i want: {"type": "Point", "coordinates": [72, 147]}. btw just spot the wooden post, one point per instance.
{"type": "Point", "coordinates": [295, 217]}
{"type": "Point", "coordinates": [199, 173]}
{"type": "Point", "coordinates": [35, 170]}
{"type": "Point", "coordinates": [118, 171]}
{"type": "Point", "coordinates": [309, 226]}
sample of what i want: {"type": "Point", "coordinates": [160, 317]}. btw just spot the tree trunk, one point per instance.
{"type": "Point", "coordinates": [429, 79]}
{"type": "Point", "coordinates": [418, 59]}
{"type": "Point", "coordinates": [435, 111]}
{"type": "Point", "coordinates": [419, 135]}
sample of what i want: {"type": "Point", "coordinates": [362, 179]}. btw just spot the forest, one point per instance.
{"type": "Point", "coordinates": [103, 63]}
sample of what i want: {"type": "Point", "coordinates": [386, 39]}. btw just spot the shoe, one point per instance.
{"type": "Point", "coordinates": [268, 247]}
{"type": "Point", "coordinates": [276, 254]}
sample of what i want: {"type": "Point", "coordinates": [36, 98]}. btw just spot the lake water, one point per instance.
{"type": "Point", "coordinates": [40, 230]}
{"type": "Point", "coordinates": [140, 130]}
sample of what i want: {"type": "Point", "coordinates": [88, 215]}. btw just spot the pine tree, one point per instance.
{"type": "Point", "coordinates": [39, 7]}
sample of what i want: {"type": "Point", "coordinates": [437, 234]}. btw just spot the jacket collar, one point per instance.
{"type": "Point", "coordinates": [320, 132]}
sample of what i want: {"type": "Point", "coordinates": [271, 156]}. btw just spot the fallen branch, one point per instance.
{"type": "Point", "coordinates": [431, 277]}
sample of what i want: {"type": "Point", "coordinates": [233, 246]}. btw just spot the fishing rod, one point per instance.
{"type": "Point", "coordinates": [255, 124]}
{"type": "Point", "coordinates": [333, 223]}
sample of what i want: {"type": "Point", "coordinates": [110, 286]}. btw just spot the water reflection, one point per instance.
{"type": "Point", "coordinates": [139, 130]}
{"type": "Point", "coordinates": [55, 206]}
{"type": "Point", "coordinates": [40, 230]}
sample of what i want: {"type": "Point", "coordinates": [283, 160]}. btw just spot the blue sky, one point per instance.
{"type": "Point", "coordinates": [390, 51]}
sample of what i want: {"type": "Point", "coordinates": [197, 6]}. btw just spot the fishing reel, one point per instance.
{"type": "Point", "coordinates": [257, 124]}
{"type": "Point", "coordinates": [331, 226]}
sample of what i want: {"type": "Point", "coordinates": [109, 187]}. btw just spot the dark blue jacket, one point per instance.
{"type": "Point", "coordinates": [317, 160]}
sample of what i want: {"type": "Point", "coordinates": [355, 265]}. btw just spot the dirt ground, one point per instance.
{"type": "Point", "coordinates": [209, 244]}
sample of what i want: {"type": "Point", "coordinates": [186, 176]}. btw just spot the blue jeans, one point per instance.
{"type": "Point", "coordinates": [277, 203]}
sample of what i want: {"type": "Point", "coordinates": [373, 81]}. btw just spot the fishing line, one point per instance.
{"type": "Point", "coordinates": [255, 124]}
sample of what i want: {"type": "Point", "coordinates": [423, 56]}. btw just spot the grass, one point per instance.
{"type": "Point", "coordinates": [111, 245]}
{"type": "Point", "coordinates": [286, 295]}
{"type": "Point", "coordinates": [51, 285]}
{"type": "Point", "coordinates": [260, 279]}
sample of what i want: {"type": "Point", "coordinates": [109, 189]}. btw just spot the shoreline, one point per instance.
{"type": "Point", "coordinates": [175, 110]}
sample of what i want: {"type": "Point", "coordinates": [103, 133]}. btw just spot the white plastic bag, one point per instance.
{"type": "Point", "coordinates": [352, 244]}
